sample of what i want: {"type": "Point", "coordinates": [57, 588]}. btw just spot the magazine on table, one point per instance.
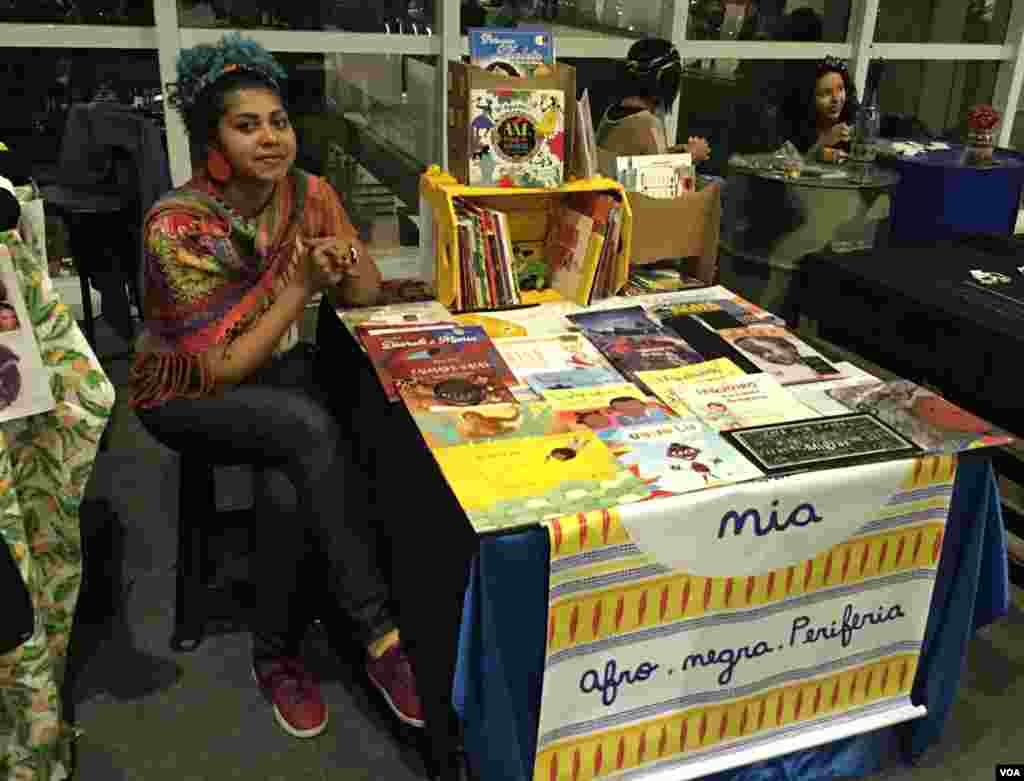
{"type": "Point", "coordinates": [24, 380]}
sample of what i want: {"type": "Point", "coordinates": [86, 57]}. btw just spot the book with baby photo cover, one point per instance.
{"type": "Point", "coordinates": [24, 380]}
{"type": "Point", "coordinates": [781, 354]}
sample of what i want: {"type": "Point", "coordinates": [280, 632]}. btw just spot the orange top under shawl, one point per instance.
{"type": "Point", "coordinates": [210, 274]}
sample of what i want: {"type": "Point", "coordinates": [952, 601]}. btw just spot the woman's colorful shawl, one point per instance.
{"type": "Point", "coordinates": [210, 273]}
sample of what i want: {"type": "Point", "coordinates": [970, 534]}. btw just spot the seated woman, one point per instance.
{"type": "Point", "coordinates": [231, 261]}
{"type": "Point", "coordinates": [635, 123]}
{"type": "Point", "coordinates": [820, 113]}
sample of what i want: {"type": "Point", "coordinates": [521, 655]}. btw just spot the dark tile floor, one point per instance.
{"type": "Point", "coordinates": [152, 715]}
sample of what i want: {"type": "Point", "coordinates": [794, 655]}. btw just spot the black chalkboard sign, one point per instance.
{"type": "Point", "coordinates": [841, 440]}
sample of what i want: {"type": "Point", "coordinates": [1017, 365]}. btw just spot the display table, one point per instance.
{"type": "Point", "coordinates": [501, 650]}
{"type": "Point", "coordinates": [771, 222]}
{"type": "Point", "coordinates": [911, 310]}
{"type": "Point", "coordinates": [504, 652]}
{"type": "Point", "coordinates": [938, 197]}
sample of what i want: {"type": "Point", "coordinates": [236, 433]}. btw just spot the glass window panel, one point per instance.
{"type": "Point", "coordinates": [375, 135]}
{"type": "Point", "coordinates": [40, 84]}
{"type": "Point", "coordinates": [126, 12]}
{"type": "Point", "coordinates": [408, 16]}
{"type": "Point", "coordinates": [760, 105]}
{"type": "Point", "coordinates": [935, 96]}
{"type": "Point", "coordinates": [768, 20]}
{"type": "Point", "coordinates": [940, 21]}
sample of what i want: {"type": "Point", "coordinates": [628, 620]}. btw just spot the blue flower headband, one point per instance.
{"type": "Point", "coordinates": [202, 65]}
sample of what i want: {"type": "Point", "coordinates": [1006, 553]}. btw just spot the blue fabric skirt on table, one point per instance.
{"type": "Point", "coordinates": [500, 668]}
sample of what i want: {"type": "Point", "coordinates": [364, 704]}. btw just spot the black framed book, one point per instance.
{"type": "Point", "coordinates": [821, 443]}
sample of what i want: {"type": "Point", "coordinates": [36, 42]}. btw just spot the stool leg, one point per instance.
{"type": "Point", "coordinates": [195, 500]}
{"type": "Point", "coordinates": [79, 246]}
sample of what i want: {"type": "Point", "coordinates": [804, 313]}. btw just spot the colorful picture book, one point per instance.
{"type": "Point", "coordinates": [667, 384]}
{"type": "Point", "coordinates": [424, 357]}
{"type": "Point", "coordinates": [657, 278]}
{"type": "Point", "coordinates": [547, 319]}
{"type": "Point", "coordinates": [928, 420]}
{"type": "Point", "coordinates": [410, 314]}
{"type": "Point", "coordinates": [572, 379]}
{"type": "Point", "coordinates": [502, 484]}
{"type": "Point", "coordinates": [24, 381]}
{"type": "Point", "coordinates": [816, 394]}
{"type": "Point", "coordinates": [781, 354]}
{"type": "Point", "coordinates": [487, 278]}
{"type": "Point", "coordinates": [677, 457]}
{"type": "Point", "coordinates": [564, 352]}
{"type": "Point", "coordinates": [517, 137]}
{"type": "Point", "coordinates": [513, 52]}
{"type": "Point", "coordinates": [741, 402]}
{"type": "Point", "coordinates": [450, 426]}
{"type": "Point", "coordinates": [582, 245]}
{"type": "Point", "coordinates": [633, 342]}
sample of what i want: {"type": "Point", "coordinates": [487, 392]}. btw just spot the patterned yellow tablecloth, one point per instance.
{"type": "Point", "coordinates": [45, 463]}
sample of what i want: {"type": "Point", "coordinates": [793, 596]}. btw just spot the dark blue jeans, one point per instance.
{"type": "Point", "coordinates": [282, 419]}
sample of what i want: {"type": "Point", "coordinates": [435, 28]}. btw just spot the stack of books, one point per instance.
{"type": "Point", "coordinates": [487, 277]}
{"type": "Point", "coordinates": [582, 245]}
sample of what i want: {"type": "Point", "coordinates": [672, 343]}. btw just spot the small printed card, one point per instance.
{"type": "Point", "coordinates": [822, 443]}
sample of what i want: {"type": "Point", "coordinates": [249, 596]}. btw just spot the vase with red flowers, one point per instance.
{"type": "Point", "coordinates": [981, 123]}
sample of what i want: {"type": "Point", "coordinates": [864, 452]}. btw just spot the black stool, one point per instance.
{"type": "Point", "coordinates": [199, 598]}
{"type": "Point", "coordinates": [90, 215]}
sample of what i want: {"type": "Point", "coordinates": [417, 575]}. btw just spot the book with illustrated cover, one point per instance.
{"type": "Point", "coordinates": [547, 319]}
{"type": "Point", "coordinates": [572, 379]}
{"type": "Point", "coordinates": [706, 299]}
{"type": "Point", "coordinates": [517, 137]}
{"type": "Point", "coordinates": [816, 394]}
{"type": "Point", "coordinates": [450, 426]}
{"type": "Point", "coordinates": [410, 314]}
{"type": "Point", "coordinates": [513, 52]}
{"type": "Point", "coordinates": [559, 352]}
{"type": "Point", "coordinates": [633, 342]}
{"type": "Point", "coordinates": [657, 176]}
{"type": "Point", "coordinates": [678, 457]}
{"type": "Point", "coordinates": [607, 406]}
{"type": "Point", "coordinates": [666, 384]}
{"type": "Point", "coordinates": [432, 354]}
{"type": "Point", "coordinates": [454, 390]}
{"type": "Point", "coordinates": [509, 483]}
{"type": "Point", "coordinates": [741, 402]}
{"type": "Point", "coordinates": [657, 278]}
{"type": "Point", "coordinates": [781, 354]}
{"type": "Point", "coordinates": [928, 420]}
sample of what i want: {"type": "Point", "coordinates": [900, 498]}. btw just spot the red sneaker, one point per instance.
{"type": "Point", "coordinates": [295, 694]}
{"type": "Point", "coordinates": [392, 675]}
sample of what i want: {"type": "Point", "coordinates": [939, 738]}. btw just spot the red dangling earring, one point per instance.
{"type": "Point", "coordinates": [218, 166]}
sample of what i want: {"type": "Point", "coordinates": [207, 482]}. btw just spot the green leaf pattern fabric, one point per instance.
{"type": "Point", "coordinates": [45, 462]}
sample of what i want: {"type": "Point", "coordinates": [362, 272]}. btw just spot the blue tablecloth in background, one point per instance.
{"type": "Point", "coordinates": [938, 198]}
{"type": "Point", "coordinates": [501, 651]}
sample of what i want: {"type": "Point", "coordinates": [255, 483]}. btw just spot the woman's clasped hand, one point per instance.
{"type": "Point", "coordinates": [325, 262]}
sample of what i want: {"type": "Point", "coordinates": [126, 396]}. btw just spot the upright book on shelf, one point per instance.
{"type": "Point", "coordinates": [520, 52]}
{"type": "Point", "coordinates": [517, 137]}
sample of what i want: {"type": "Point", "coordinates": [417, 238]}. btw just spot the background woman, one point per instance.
{"type": "Point", "coordinates": [822, 111]}
{"type": "Point", "coordinates": [635, 123]}
{"type": "Point", "coordinates": [232, 260]}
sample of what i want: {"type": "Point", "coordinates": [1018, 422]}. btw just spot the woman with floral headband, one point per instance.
{"type": "Point", "coordinates": [822, 111]}
{"type": "Point", "coordinates": [231, 261]}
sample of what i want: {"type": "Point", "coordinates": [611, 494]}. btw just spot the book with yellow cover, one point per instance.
{"type": "Point", "coordinates": [452, 426]}
{"type": "Point", "coordinates": [667, 384]}
{"type": "Point", "coordinates": [574, 399]}
{"type": "Point", "coordinates": [504, 484]}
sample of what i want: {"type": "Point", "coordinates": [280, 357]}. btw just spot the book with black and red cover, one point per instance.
{"type": "Point", "coordinates": [433, 354]}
